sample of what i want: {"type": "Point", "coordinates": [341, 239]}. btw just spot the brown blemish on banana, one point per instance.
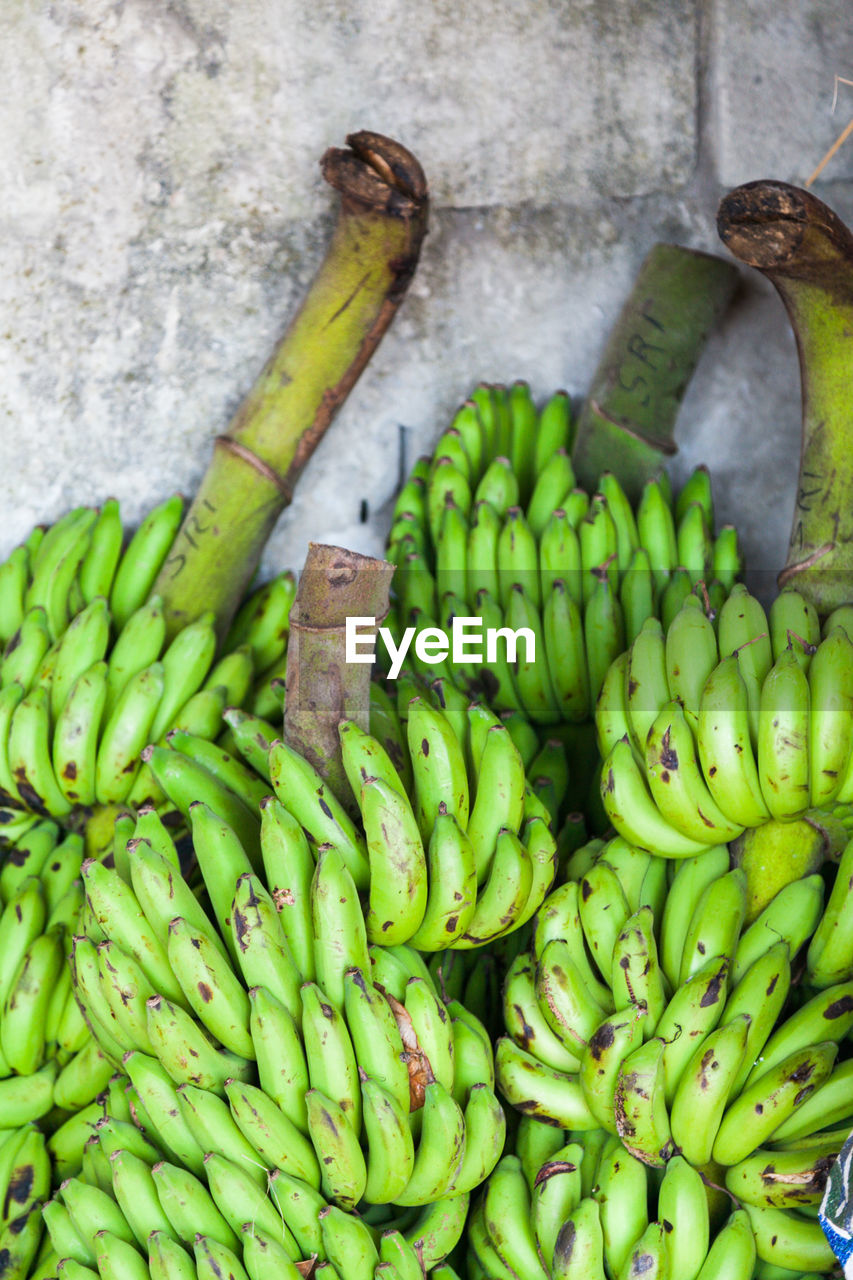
{"type": "Point", "coordinates": [601, 1039]}
{"type": "Point", "coordinates": [565, 1244]}
{"type": "Point", "coordinates": [839, 1008]}
{"type": "Point", "coordinates": [551, 1168]}
{"type": "Point", "coordinates": [812, 1179]}
{"type": "Point", "coordinates": [526, 1033]}
{"type": "Point", "coordinates": [712, 992]}
{"type": "Point", "coordinates": [241, 928]}
{"type": "Point", "coordinates": [19, 1189]}
{"type": "Point", "coordinates": [668, 754]}
{"type": "Point", "coordinates": [707, 1064]}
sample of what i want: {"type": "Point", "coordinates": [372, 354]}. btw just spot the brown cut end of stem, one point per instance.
{"type": "Point", "coordinates": [776, 227]}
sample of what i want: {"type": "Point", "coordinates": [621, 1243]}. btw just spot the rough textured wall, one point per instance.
{"type": "Point", "coordinates": [162, 211]}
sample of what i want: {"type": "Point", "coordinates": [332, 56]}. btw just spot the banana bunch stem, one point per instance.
{"type": "Point", "coordinates": [322, 687]}
{"type": "Point", "coordinates": [807, 252]}
{"type": "Point", "coordinates": [628, 418]}
{"type": "Point", "coordinates": [371, 258]}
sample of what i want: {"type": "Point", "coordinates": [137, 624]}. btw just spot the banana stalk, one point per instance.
{"type": "Point", "coordinates": [353, 299]}
{"type": "Point", "coordinates": [628, 417]}
{"type": "Point", "coordinates": [322, 687]}
{"type": "Point", "coordinates": [807, 252]}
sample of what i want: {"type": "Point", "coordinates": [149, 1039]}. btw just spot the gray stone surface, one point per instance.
{"type": "Point", "coordinates": [775, 63]}
{"type": "Point", "coordinates": [162, 213]}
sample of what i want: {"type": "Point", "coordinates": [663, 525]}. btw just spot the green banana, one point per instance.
{"type": "Point", "coordinates": [189, 1205]}
{"type": "Point", "coordinates": [676, 782]}
{"type": "Point", "coordinates": [451, 885]}
{"type": "Point", "coordinates": [760, 994]}
{"type": "Point", "coordinates": [650, 1255]}
{"type": "Point", "coordinates": [136, 1195]}
{"type": "Point", "coordinates": [725, 746]}
{"type": "Point", "coordinates": [213, 1259]}
{"type": "Point", "coordinates": [184, 1049]}
{"type": "Point", "coordinates": [212, 989]}
{"type": "Point", "coordinates": [716, 923]}
{"type": "Point", "coordinates": [827, 1016]}
{"type": "Point", "coordinates": [557, 1192]}
{"type": "Point", "coordinates": [390, 1145]}
{"type": "Point", "coordinates": [622, 1194]}
{"type": "Point", "coordinates": [156, 1093]}
{"type": "Point", "coordinates": [398, 869]}
{"type": "Point", "coordinates": [22, 1025]}
{"type": "Point", "coordinates": [125, 734]}
{"type": "Point", "coordinates": [764, 1105]}
{"type": "Point", "coordinates": [438, 765]}
{"type": "Point", "coordinates": [263, 956]}
{"type": "Point", "coordinates": [143, 557]}
{"type": "Point", "coordinates": [704, 1088]}
{"type": "Point", "coordinates": [693, 1012]}
{"type": "Point", "coordinates": [639, 1103]}
{"type": "Point", "coordinates": [440, 1150]}
{"type": "Point", "coordinates": [340, 935]}
{"type": "Point", "coordinates": [683, 1209]}
{"type": "Point", "coordinates": [238, 1196]}
{"type": "Point", "coordinates": [167, 1260]}
{"type": "Point", "coordinates": [830, 953]}
{"type": "Point", "coordinates": [784, 1179]}
{"type": "Point", "coordinates": [526, 1024]}
{"type": "Point", "coordinates": [787, 1240]}
{"type": "Point", "coordinates": [116, 909]}
{"type": "Point", "coordinates": [610, 1043]}
{"type": "Point", "coordinates": [264, 1255]}
{"type": "Point", "coordinates": [329, 1051]}
{"type": "Point", "coordinates": [783, 738]}
{"type": "Point", "coordinates": [279, 1054]}
{"type": "Point", "coordinates": [636, 976]}
{"type": "Point", "coordinates": [342, 1162]}
{"type": "Point", "coordinates": [508, 1222]}
{"type": "Point", "coordinates": [538, 1090]}
{"type": "Point", "coordinates": [304, 794]}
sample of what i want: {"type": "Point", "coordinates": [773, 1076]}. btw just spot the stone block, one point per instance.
{"type": "Point", "coordinates": [773, 71]}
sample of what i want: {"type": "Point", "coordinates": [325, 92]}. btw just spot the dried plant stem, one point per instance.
{"type": "Point", "coordinates": [353, 299]}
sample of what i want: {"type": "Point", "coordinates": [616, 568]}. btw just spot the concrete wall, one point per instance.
{"type": "Point", "coordinates": [162, 212]}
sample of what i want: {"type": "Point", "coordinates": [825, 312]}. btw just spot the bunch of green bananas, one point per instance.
{"type": "Point", "coordinates": [709, 731]}
{"type": "Point", "coordinates": [49, 1062]}
{"type": "Point", "coordinates": [646, 1008]}
{"type": "Point", "coordinates": [62, 568]}
{"type": "Point", "coordinates": [259, 1021]}
{"type": "Point", "coordinates": [493, 526]}
{"type": "Point", "coordinates": [87, 677]}
{"type": "Point", "coordinates": [546, 763]}
{"type": "Point", "coordinates": [463, 863]}
{"type": "Point", "coordinates": [575, 1205]}
{"type": "Point", "coordinates": [139, 1208]}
